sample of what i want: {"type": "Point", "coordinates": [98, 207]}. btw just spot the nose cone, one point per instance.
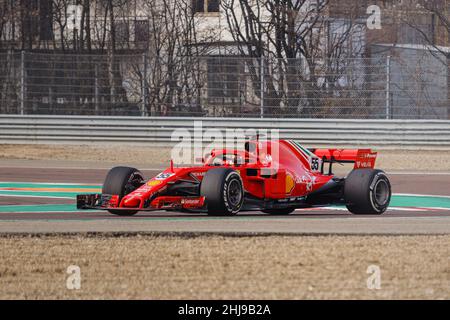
{"type": "Point", "coordinates": [138, 196]}
{"type": "Point", "coordinates": [131, 202]}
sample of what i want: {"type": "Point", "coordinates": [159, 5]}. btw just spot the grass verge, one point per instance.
{"type": "Point", "coordinates": [218, 267]}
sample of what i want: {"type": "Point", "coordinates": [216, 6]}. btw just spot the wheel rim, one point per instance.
{"type": "Point", "coordinates": [381, 192]}
{"type": "Point", "coordinates": [234, 193]}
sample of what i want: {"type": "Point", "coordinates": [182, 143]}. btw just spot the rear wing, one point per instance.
{"type": "Point", "coordinates": [362, 158]}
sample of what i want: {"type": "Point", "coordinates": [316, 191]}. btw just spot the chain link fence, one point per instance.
{"type": "Point", "coordinates": [402, 86]}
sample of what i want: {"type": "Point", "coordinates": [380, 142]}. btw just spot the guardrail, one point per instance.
{"type": "Point", "coordinates": [405, 134]}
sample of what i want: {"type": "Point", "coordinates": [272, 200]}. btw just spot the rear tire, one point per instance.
{"type": "Point", "coordinates": [367, 191]}
{"type": "Point", "coordinates": [223, 190]}
{"type": "Point", "coordinates": [122, 181]}
{"type": "Point", "coordinates": [279, 212]}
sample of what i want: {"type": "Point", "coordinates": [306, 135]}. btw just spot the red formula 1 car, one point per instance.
{"type": "Point", "coordinates": [230, 181]}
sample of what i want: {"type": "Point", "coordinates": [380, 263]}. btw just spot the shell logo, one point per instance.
{"type": "Point", "coordinates": [153, 183]}
{"type": "Point", "coordinates": [290, 183]}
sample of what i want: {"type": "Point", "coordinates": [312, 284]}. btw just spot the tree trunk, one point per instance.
{"type": "Point", "coordinates": [111, 53]}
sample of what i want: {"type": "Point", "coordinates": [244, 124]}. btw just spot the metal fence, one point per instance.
{"type": "Point", "coordinates": [380, 87]}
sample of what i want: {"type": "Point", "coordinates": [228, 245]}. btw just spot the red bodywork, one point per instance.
{"type": "Point", "coordinates": [270, 170]}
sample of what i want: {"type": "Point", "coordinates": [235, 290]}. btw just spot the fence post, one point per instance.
{"type": "Point", "coordinates": [50, 99]}
{"type": "Point", "coordinates": [261, 98]}
{"type": "Point", "coordinates": [96, 90]}
{"type": "Point", "coordinates": [388, 87]}
{"type": "Point", "coordinates": [22, 82]}
{"type": "Point", "coordinates": [143, 86]}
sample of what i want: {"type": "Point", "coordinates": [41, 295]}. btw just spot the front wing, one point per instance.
{"type": "Point", "coordinates": [110, 202]}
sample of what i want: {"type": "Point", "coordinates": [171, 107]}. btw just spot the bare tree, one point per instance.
{"type": "Point", "coordinates": [174, 77]}
{"type": "Point", "coordinates": [439, 13]}
{"type": "Point", "coordinates": [435, 36]}
{"type": "Point", "coordinates": [85, 27]}
{"type": "Point", "coordinates": [293, 37]}
{"type": "Point", "coordinates": [60, 11]}
{"type": "Point", "coordinates": [4, 11]}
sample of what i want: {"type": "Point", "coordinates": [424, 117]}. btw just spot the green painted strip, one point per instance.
{"type": "Point", "coordinates": [50, 193]}
{"type": "Point", "coordinates": [309, 153]}
{"type": "Point", "coordinates": [41, 208]}
{"type": "Point", "coordinates": [42, 193]}
{"type": "Point", "coordinates": [396, 201]}
{"type": "Point", "coordinates": [418, 201]}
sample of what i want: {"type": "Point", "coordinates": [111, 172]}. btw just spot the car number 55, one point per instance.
{"type": "Point", "coordinates": [315, 164]}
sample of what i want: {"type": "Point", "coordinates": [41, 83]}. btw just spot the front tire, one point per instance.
{"type": "Point", "coordinates": [367, 191]}
{"type": "Point", "coordinates": [122, 181]}
{"type": "Point", "coordinates": [224, 191]}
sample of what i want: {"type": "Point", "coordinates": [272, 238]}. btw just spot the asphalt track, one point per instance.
{"type": "Point", "coordinates": [38, 198]}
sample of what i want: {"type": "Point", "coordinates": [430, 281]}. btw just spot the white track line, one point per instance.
{"type": "Point", "coordinates": [436, 208]}
{"type": "Point", "coordinates": [52, 183]}
{"type": "Point", "coordinates": [419, 173]}
{"type": "Point", "coordinates": [420, 195]}
{"type": "Point", "coordinates": [408, 209]}
{"type": "Point", "coordinates": [418, 209]}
